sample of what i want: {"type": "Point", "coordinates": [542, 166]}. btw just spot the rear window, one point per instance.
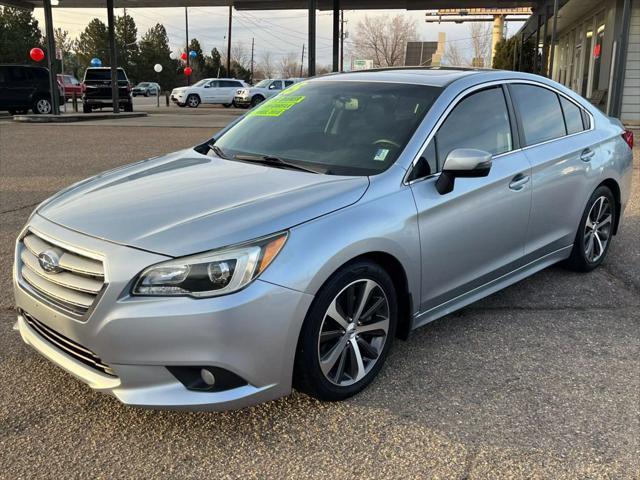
{"type": "Point", "coordinates": [103, 74]}
{"type": "Point", "coordinates": [540, 112]}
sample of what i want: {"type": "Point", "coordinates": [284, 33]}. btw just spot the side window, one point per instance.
{"type": "Point", "coordinates": [275, 85]}
{"type": "Point", "coordinates": [214, 84]}
{"type": "Point", "coordinates": [572, 116]}
{"type": "Point", "coordinates": [480, 121]}
{"type": "Point", "coordinates": [288, 83]}
{"type": "Point", "coordinates": [18, 74]}
{"type": "Point", "coordinates": [540, 112]}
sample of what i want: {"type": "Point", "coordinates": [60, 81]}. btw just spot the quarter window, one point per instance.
{"type": "Point", "coordinates": [479, 121]}
{"type": "Point", "coordinates": [540, 113]}
{"type": "Point", "coordinates": [572, 116]}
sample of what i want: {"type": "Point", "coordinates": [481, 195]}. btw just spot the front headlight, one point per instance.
{"type": "Point", "coordinates": [210, 274]}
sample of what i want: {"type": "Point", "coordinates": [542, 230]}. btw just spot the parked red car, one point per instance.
{"type": "Point", "coordinates": [71, 85]}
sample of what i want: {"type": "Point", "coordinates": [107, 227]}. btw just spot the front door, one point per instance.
{"type": "Point", "coordinates": [477, 232]}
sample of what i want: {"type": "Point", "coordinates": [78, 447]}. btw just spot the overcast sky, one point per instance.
{"type": "Point", "coordinates": [280, 32]}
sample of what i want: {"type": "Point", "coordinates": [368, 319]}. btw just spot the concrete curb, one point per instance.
{"type": "Point", "coordinates": [75, 118]}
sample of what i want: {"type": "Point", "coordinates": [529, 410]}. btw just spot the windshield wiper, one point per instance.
{"type": "Point", "coordinates": [278, 162]}
{"type": "Point", "coordinates": [218, 151]}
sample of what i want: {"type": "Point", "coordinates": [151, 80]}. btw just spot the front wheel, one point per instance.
{"type": "Point", "coordinates": [595, 232]}
{"type": "Point", "coordinates": [348, 332]}
{"type": "Point", "coordinates": [193, 101]}
{"type": "Point", "coordinates": [256, 100]}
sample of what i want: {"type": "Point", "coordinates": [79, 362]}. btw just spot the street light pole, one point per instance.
{"type": "Point", "coordinates": [51, 53]}
{"type": "Point", "coordinates": [229, 41]}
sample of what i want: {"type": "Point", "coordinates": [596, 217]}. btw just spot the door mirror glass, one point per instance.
{"type": "Point", "coordinates": [464, 163]}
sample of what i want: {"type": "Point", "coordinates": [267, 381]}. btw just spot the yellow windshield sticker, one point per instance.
{"type": "Point", "coordinates": [276, 106]}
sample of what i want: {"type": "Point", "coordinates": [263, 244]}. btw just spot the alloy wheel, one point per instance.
{"type": "Point", "coordinates": [353, 332]}
{"type": "Point", "coordinates": [597, 229]}
{"type": "Point", "coordinates": [43, 106]}
{"type": "Point", "coordinates": [193, 101]}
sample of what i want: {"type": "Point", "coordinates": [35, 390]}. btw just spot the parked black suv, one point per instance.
{"type": "Point", "coordinates": [24, 87]}
{"type": "Point", "coordinates": [97, 89]}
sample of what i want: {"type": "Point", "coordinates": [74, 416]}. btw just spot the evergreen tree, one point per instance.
{"type": "Point", "coordinates": [198, 63]}
{"type": "Point", "coordinates": [503, 58]}
{"type": "Point", "coordinates": [128, 51]}
{"type": "Point", "coordinates": [213, 67]}
{"type": "Point", "coordinates": [154, 48]}
{"type": "Point", "coordinates": [19, 33]}
{"type": "Point", "coordinates": [69, 56]}
{"type": "Point", "coordinates": [93, 42]}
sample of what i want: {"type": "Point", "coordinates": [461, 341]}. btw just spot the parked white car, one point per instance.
{"type": "Point", "coordinates": [209, 90]}
{"type": "Point", "coordinates": [252, 96]}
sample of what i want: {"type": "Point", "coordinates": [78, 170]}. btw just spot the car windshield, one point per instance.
{"type": "Point", "coordinates": [102, 74]}
{"type": "Point", "coordinates": [263, 83]}
{"type": "Point", "coordinates": [143, 84]}
{"type": "Point", "coordinates": [345, 127]}
{"type": "Point", "coordinates": [201, 83]}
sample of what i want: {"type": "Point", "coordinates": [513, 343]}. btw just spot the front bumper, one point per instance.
{"type": "Point", "coordinates": [242, 100]}
{"type": "Point", "coordinates": [252, 333]}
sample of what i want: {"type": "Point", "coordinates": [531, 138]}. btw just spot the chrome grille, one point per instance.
{"type": "Point", "coordinates": [74, 284]}
{"type": "Point", "coordinates": [68, 346]}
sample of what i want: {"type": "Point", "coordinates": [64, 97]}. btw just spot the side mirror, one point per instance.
{"type": "Point", "coordinates": [464, 163]}
{"type": "Point", "coordinates": [207, 86]}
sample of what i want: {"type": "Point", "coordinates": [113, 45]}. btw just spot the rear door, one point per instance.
{"type": "Point", "coordinates": [227, 90]}
{"type": "Point", "coordinates": [19, 87]}
{"type": "Point", "coordinates": [560, 146]}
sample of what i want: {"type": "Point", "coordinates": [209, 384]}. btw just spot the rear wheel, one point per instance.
{"type": "Point", "coordinates": [227, 105]}
{"type": "Point", "coordinates": [347, 333]}
{"type": "Point", "coordinates": [193, 101]}
{"type": "Point", "coordinates": [42, 105]}
{"type": "Point", "coordinates": [594, 235]}
{"type": "Point", "coordinates": [86, 108]}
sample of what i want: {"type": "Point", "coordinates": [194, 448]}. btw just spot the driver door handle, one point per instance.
{"type": "Point", "coordinates": [518, 182]}
{"type": "Point", "coordinates": [587, 154]}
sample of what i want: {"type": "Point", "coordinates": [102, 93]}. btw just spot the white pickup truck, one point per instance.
{"type": "Point", "coordinates": [252, 96]}
{"type": "Point", "coordinates": [209, 90]}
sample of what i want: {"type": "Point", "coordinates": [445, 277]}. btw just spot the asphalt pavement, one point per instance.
{"type": "Point", "coordinates": [541, 380]}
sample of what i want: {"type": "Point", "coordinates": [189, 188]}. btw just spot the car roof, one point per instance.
{"type": "Point", "coordinates": [433, 76]}
{"type": "Point", "coordinates": [102, 68]}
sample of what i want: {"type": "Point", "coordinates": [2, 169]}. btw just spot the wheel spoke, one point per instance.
{"type": "Point", "coordinates": [371, 327]}
{"type": "Point", "coordinates": [589, 250]}
{"type": "Point", "coordinates": [599, 215]}
{"type": "Point", "coordinates": [366, 293]}
{"type": "Point", "coordinates": [357, 364]}
{"type": "Point", "coordinates": [340, 369]}
{"type": "Point", "coordinates": [330, 359]}
{"type": "Point", "coordinates": [330, 335]}
{"type": "Point", "coordinates": [335, 314]}
{"type": "Point", "coordinates": [366, 348]}
{"type": "Point", "coordinates": [599, 243]}
{"type": "Point", "coordinates": [604, 222]}
{"type": "Point", "coordinates": [373, 308]}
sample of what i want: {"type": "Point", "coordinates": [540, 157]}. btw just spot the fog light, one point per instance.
{"type": "Point", "coordinates": [208, 377]}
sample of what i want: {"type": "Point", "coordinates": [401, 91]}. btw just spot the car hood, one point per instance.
{"type": "Point", "coordinates": [186, 202]}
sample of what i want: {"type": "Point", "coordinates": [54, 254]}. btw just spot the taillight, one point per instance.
{"type": "Point", "coordinates": [628, 137]}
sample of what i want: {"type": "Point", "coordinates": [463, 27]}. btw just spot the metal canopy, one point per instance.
{"type": "Point", "coordinates": [282, 4]}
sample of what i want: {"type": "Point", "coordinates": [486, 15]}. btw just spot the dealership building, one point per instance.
{"type": "Point", "coordinates": [596, 51]}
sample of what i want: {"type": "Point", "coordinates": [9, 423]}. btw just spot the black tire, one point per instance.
{"type": "Point", "coordinates": [86, 108]}
{"type": "Point", "coordinates": [146, 94]}
{"type": "Point", "coordinates": [181, 105]}
{"type": "Point", "coordinates": [227, 105]}
{"type": "Point", "coordinates": [42, 105]}
{"type": "Point", "coordinates": [308, 375]}
{"type": "Point", "coordinates": [583, 259]}
{"type": "Point", "coordinates": [128, 107]}
{"type": "Point", "coordinates": [258, 99]}
{"type": "Point", "coordinates": [193, 101]}
{"type": "Point", "coordinates": [13, 112]}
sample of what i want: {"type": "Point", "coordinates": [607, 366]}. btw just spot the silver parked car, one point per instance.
{"type": "Point", "coordinates": [293, 246]}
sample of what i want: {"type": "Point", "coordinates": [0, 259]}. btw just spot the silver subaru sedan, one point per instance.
{"type": "Point", "coordinates": [294, 246]}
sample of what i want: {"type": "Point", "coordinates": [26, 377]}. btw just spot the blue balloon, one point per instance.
{"type": "Point", "coordinates": [193, 54]}
{"type": "Point", "coordinates": [96, 62]}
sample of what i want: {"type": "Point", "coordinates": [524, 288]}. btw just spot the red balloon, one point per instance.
{"type": "Point", "coordinates": [36, 54]}
{"type": "Point", "coordinates": [188, 71]}
{"type": "Point", "coordinates": [183, 56]}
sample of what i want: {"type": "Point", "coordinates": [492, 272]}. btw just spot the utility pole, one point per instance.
{"type": "Point", "coordinates": [302, 60]}
{"type": "Point", "coordinates": [229, 41]}
{"type": "Point", "coordinates": [253, 42]}
{"type": "Point", "coordinates": [186, 31]}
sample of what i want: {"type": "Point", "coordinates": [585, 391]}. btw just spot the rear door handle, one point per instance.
{"type": "Point", "coordinates": [518, 182]}
{"type": "Point", "coordinates": [587, 154]}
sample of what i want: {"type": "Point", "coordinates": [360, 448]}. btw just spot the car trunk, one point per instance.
{"type": "Point", "coordinates": [98, 84]}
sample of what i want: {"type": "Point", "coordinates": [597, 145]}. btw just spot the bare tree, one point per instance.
{"type": "Point", "coordinates": [384, 38]}
{"type": "Point", "coordinates": [290, 66]}
{"type": "Point", "coordinates": [480, 42]}
{"type": "Point", "coordinates": [239, 55]}
{"type": "Point", "coordinates": [453, 56]}
{"type": "Point", "coordinates": [265, 68]}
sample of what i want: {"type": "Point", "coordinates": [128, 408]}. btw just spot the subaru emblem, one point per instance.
{"type": "Point", "coordinates": [49, 261]}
